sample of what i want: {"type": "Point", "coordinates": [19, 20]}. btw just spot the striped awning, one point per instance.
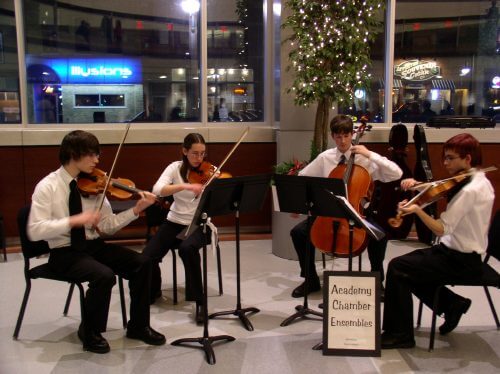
{"type": "Point", "coordinates": [443, 84]}
{"type": "Point", "coordinates": [396, 83]}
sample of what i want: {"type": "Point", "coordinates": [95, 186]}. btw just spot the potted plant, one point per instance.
{"type": "Point", "coordinates": [330, 55]}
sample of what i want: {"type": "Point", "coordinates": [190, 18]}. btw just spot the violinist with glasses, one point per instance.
{"type": "Point", "coordinates": [71, 224]}
{"type": "Point", "coordinates": [181, 180]}
{"type": "Point", "coordinates": [462, 230]}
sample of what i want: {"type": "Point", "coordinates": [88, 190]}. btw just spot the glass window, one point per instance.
{"type": "Point", "coordinates": [235, 41]}
{"type": "Point", "coordinates": [113, 100]}
{"type": "Point", "coordinates": [446, 60]}
{"type": "Point", "coordinates": [87, 100]}
{"type": "Point", "coordinates": [10, 108]}
{"type": "Point", "coordinates": [135, 56]}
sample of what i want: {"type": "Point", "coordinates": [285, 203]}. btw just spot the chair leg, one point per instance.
{"type": "Point", "coordinates": [122, 302]}
{"type": "Point", "coordinates": [68, 299]}
{"type": "Point", "coordinates": [323, 258]}
{"type": "Point", "coordinates": [174, 274]}
{"type": "Point", "coordinates": [419, 317]}
{"type": "Point", "coordinates": [22, 310]}
{"type": "Point", "coordinates": [219, 270]}
{"type": "Point", "coordinates": [492, 306]}
{"type": "Point", "coordinates": [434, 315]}
{"type": "Point", "coordinates": [82, 299]}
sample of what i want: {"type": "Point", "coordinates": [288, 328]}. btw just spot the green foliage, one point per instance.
{"type": "Point", "coordinates": [290, 167]}
{"type": "Point", "coordinates": [330, 47]}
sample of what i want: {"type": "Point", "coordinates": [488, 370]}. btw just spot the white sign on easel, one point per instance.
{"type": "Point", "coordinates": [351, 322]}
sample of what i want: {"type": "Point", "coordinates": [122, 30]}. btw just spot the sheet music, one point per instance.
{"type": "Point", "coordinates": [374, 231]}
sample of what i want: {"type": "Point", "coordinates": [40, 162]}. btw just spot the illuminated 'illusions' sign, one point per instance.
{"type": "Point", "coordinates": [84, 71]}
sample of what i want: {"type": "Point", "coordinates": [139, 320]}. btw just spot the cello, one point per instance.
{"type": "Point", "coordinates": [330, 235]}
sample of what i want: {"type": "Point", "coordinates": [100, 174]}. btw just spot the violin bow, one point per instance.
{"type": "Point", "coordinates": [214, 175]}
{"type": "Point", "coordinates": [101, 202]}
{"type": "Point", "coordinates": [469, 173]}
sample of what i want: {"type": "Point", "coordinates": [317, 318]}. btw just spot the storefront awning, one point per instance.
{"type": "Point", "coordinates": [443, 84]}
{"type": "Point", "coordinates": [396, 83]}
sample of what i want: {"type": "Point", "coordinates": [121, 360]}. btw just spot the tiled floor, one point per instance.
{"type": "Point", "coordinates": [48, 342]}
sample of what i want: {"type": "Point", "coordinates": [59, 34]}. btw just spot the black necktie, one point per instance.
{"type": "Point", "coordinates": [342, 160]}
{"type": "Point", "coordinates": [75, 207]}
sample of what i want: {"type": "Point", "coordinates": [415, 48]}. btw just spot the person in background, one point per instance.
{"type": "Point", "coordinates": [221, 113]}
{"type": "Point", "coordinates": [176, 113]}
{"type": "Point", "coordinates": [153, 115]}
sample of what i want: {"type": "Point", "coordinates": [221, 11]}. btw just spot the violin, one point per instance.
{"type": "Point", "coordinates": [433, 191]}
{"type": "Point", "coordinates": [118, 189]}
{"type": "Point", "coordinates": [332, 235]}
{"type": "Point", "coordinates": [205, 172]}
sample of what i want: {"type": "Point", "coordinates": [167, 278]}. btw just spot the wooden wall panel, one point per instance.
{"type": "Point", "coordinates": [142, 163]}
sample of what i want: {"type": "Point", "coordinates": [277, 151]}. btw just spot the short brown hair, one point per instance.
{"type": "Point", "coordinates": [341, 124]}
{"type": "Point", "coordinates": [465, 144]}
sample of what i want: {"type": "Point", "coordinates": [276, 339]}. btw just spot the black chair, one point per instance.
{"type": "Point", "coordinates": [155, 215]}
{"type": "Point", "coordinates": [488, 278]}
{"type": "Point", "coordinates": [34, 249]}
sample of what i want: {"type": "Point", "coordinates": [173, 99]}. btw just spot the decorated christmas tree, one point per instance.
{"type": "Point", "coordinates": [330, 54]}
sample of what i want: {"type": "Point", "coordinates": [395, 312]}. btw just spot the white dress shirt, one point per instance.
{"type": "Point", "coordinates": [467, 217]}
{"type": "Point", "coordinates": [49, 215]}
{"type": "Point", "coordinates": [379, 167]}
{"type": "Point", "coordinates": [183, 208]}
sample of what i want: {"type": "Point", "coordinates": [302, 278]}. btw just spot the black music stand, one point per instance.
{"type": "Point", "coordinates": [311, 196]}
{"type": "Point", "coordinates": [212, 203]}
{"type": "Point", "coordinates": [246, 194]}
{"type": "Point", "coordinates": [355, 220]}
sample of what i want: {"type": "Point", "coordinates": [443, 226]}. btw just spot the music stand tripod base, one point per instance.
{"type": "Point", "coordinates": [244, 194]}
{"type": "Point", "coordinates": [240, 313]}
{"type": "Point", "coordinates": [205, 341]}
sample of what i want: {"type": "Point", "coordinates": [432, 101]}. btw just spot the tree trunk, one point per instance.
{"type": "Point", "coordinates": [321, 127]}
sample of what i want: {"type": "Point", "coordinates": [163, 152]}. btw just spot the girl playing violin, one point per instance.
{"type": "Point", "coordinates": [462, 229]}
{"type": "Point", "coordinates": [66, 221]}
{"type": "Point", "coordinates": [175, 181]}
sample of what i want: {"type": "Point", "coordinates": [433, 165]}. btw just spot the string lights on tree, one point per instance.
{"type": "Point", "coordinates": [330, 54]}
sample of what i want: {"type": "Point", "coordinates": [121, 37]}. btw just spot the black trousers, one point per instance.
{"type": "Point", "coordinates": [301, 241]}
{"type": "Point", "coordinates": [99, 263]}
{"type": "Point", "coordinates": [189, 251]}
{"type": "Point", "coordinates": [420, 272]}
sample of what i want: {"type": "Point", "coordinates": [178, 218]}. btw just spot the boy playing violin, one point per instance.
{"type": "Point", "coordinates": [379, 167]}
{"type": "Point", "coordinates": [463, 232]}
{"type": "Point", "coordinates": [71, 225]}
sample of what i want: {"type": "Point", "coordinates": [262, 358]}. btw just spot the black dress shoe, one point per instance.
{"type": "Point", "coordinates": [393, 341]}
{"type": "Point", "coordinates": [92, 341]}
{"type": "Point", "coordinates": [199, 318]}
{"type": "Point", "coordinates": [147, 335]}
{"type": "Point", "coordinates": [452, 317]}
{"type": "Point", "coordinates": [312, 286]}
